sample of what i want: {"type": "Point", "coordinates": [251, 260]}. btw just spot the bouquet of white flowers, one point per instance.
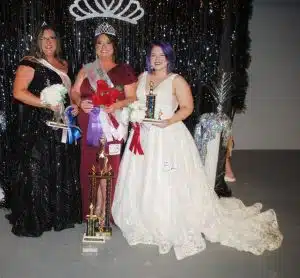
{"type": "Point", "coordinates": [54, 94]}
{"type": "Point", "coordinates": [137, 112]}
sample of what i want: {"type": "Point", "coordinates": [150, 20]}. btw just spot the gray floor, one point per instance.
{"type": "Point", "coordinates": [271, 177]}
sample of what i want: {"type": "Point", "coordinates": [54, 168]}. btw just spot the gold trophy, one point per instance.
{"type": "Point", "coordinates": [106, 173]}
{"type": "Point", "coordinates": [150, 102]}
{"type": "Point", "coordinates": [98, 228]}
{"type": "Point", "coordinates": [91, 223]}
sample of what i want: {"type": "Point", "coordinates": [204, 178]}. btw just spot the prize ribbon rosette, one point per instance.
{"type": "Point", "coordinates": [102, 123]}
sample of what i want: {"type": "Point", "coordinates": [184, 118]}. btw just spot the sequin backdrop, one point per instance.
{"type": "Point", "coordinates": [194, 28]}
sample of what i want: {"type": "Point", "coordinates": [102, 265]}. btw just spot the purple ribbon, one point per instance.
{"type": "Point", "coordinates": [94, 132]}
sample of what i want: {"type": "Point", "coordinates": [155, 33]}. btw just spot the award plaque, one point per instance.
{"type": "Point", "coordinates": [98, 227]}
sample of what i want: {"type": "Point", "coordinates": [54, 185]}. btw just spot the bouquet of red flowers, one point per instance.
{"type": "Point", "coordinates": [105, 95]}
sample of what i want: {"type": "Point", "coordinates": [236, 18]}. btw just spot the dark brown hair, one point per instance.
{"type": "Point", "coordinates": [113, 40]}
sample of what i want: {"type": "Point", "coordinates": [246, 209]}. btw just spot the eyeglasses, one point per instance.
{"type": "Point", "coordinates": [47, 39]}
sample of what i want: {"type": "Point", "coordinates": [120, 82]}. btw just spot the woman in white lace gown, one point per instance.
{"type": "Point", "coordinates": [163, 197]}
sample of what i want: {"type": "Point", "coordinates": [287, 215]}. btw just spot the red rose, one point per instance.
{"type": "Point", "coordinates": [105, 96]}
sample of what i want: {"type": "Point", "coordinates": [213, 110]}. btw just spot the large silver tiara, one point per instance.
{"type": "Point", "coordinates": [105, 28]}
{"type": "Point", "coordinates": [130, 12]}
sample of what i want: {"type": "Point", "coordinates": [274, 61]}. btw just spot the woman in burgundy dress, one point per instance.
{"type": "Point", "coordinates": [120, 76]}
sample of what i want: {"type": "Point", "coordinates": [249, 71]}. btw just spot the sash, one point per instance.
{"type": "Point", "coordinates": [94, 73]}
{"type": "Point", "coordinates": [64, 77]}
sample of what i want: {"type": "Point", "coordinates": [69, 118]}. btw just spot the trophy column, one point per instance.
{"type": "Point", "coordinates": [98, 227]}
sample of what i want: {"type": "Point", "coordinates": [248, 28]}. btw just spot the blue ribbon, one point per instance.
{"type": "Point", "coordinates": [74, 132]}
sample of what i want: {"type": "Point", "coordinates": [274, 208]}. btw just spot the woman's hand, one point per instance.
{"type": "Point", "coordinates": [75, 110]}
{"type": "Point", "coordinates": [162, 124]}
{"type": "Point", "coordinates": [112, 108]}
{"type": "Point", "coordinates": [86, 106]}
{"type": "Point", "coordinates": [54, 108]}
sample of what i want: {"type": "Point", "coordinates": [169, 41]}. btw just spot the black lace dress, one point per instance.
{"type": "Point", "coordinates": [46, 188]}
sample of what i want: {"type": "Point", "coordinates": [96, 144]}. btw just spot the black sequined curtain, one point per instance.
{"type": "Point", "coordinates": [194, 27]}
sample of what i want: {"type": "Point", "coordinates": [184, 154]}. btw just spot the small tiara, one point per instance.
{"type": "Point", "coordinates": [105, 28]}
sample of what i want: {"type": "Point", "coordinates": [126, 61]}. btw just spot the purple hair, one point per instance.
{"type": "Point", "coordinates": [167, 50]}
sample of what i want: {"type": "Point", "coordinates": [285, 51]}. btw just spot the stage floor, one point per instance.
{"type": "Point", "coordinates": [270, 177]}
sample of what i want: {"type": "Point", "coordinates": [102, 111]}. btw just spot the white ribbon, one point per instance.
{"type": "Point", "coordinates": [110, 132]}
{"type": "Point", "coordinates": [106, 125]}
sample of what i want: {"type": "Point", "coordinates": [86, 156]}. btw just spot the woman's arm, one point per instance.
{"type": "Point", "coordinates": [184, 97]}
{"type": "Point", "coordinates": [85, 105]}
{"type": "Point", "coordinates": [24, 76]}
{"type": "Point", "coordinates": [75, 91]}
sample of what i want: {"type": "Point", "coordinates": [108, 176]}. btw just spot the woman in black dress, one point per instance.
{"type": "Point", "coordinates": [46, 190]}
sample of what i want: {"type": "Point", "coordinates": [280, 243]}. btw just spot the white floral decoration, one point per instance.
{"type": "Point", "coordinates": [137, 112]}
{"type": "Point", "coordinates": [54, 94]}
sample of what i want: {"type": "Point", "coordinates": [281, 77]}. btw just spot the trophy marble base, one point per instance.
{"type": "Point", "coordinates": [90, 244]}
{"type": "Point", "coordinates": [98, 238]}
{"type": "Point", "coordinates": [148, 120]}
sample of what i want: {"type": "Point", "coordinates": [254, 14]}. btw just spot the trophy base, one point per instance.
{"type": "Point", "coordinates": [107, 232]}
{"type": "Point", "coordinates": [90, 244]}
{"type": "Point", "coordinates": [148, 120]}
{"type": "Point", "coordinates": [98, 238]}
{"type": "Point", "coordinates": [89, 249]}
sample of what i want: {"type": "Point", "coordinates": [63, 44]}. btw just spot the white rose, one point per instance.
{"type": "Point", "coordinates": [142, 106]}
{"type": "Point", "coordinates": [134, 105]}
{"type": "Point", "coordinates": [54, 94]}
{"type": "Point", "coordinates": [137, 116]}
{"type": "Point", "coordinates": [141, 114]}
{"type": "Point", "coordinates": [134, 116]}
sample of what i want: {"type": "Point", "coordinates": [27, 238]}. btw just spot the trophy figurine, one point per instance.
{"type": "Point", "coordinates": [160, 114]}
{"type": "Point", "coordinates": [104, 168]}
{"type": "Point", "coordinates": [150, 103]}
{"type": "Point", "coordinates": [91, 223]}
